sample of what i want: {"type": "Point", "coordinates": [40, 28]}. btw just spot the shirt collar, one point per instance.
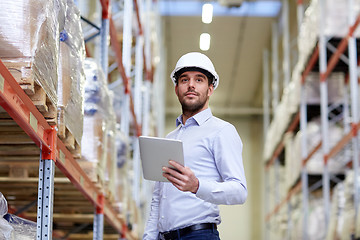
{"type": "Point", "coordinates": [199, 118]}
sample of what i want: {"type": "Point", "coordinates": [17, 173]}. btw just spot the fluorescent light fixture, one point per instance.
{"type": "Point", "coordinates": [205, 41]}
{"type": "Point", "coordinates": [207, 13]}
{"type": "Point", "coordinates": [259, 8]}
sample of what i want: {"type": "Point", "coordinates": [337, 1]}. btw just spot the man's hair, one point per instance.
{"type": "Point", "coordinates": [209, 76]}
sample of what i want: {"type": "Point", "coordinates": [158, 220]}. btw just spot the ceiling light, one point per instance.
{"type": "Point", "coordinates": [207, 13]}
{"type": "Point", "coordinates": [204, 41]}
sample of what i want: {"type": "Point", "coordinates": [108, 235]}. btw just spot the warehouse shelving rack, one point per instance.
{"type": "Point", "coordinates": [53, 151]}
{"type": "Point", "coordinates": [350, 136]}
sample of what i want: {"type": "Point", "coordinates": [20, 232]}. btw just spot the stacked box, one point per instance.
{"type": "Point", "coordinates": [29, 47]}
{"type": "Point", "coordinates": [71, 74]}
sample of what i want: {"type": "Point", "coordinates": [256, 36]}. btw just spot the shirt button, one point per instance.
{"type": "Point", "coordinates": [162, 217]}
{"type": "Point", "coordinates": [164, 196]}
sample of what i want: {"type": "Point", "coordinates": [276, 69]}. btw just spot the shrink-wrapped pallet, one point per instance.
{"type": "Point", "coordinates": [6, 230]}
{"type": "Point", "coordinates": [335, 23]}
{"type": "Point", "coordinates": [315, 225]}
{"type": "Point", "coordinates": [13, 227]}
{"type": "Point", "coordinates": [313, 137]}
{"type": "Point", "coordinates": [123, 173]}
{"type": "Point", "coordinates": [290, 161]}
{"type": "Point", "coordinates": [335, 88]}
{"type": "Point", "coordinates": [111, 151]}
{"type": "Point", "coordinates": [98, 111]}
{"type": "Point", "coordinates": [346, 220]}
{"type": "Point", "coordinates": [337, 208]}
{"type": "Point", "coordinates": [29, 40]}
{"type": "Point", "coordinates": [71, 76]}
{"type": "Point", "coordinates": [289, 104]}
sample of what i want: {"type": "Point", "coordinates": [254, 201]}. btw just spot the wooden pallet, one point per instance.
{"type": "Point", "coordinates": [66, 135]}
{"type": "Point", "coordinates": [23, 74]}
{"type": "Point", "coordinates": [71, 144]}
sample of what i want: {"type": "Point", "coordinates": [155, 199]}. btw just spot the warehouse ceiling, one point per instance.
{"type": "Point", "coordinates": [238, 37]}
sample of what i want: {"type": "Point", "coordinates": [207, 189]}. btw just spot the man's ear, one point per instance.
{"type": "Point", "coordinates": [211, 90]}
{"type": "Point", "coordinates": [176, 90]}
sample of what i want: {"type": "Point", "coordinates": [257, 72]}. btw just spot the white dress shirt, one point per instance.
{"type": "Point", "coordinates": [213, 151]}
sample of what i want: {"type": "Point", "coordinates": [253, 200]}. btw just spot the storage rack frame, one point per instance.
{"type": "Point", "coordinates": [351, 130]}
{"type": "Point", "coordinates": [53, 151]}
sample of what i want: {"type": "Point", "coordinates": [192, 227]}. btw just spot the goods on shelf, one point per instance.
{"type": "Point", "coordinates": [292, 165]}
{"type": "Point", "coordinates": [293, 160]}
{"type": "Point", "coordinates": [13, 227]}
{"type": "Point", "coordinates": [29, 48]}
{"type": "Point", "coordinates": [335, 24]}
{"type": "Point", "coordinates": [5, 227]}
{"type": "Point", "coordinates": [111, 161]}
{"type": "Point", "coordinates": [98, 118]}
{"type": "Point", "coordinates": [316, 222]}
{"type": "Point", "coordinates": [289, 104]}
{"type": "Point", "coordinates": [122, 186]}
{"type": "Point", "coordinates": [343, 210]}
{"type": "Point", "coordinates": [335, 88]}
{"type": "Point", "coordinates": [71, 76]}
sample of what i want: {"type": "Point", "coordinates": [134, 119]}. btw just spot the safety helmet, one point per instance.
{"type": "Point", "coordinates": [195, 61]}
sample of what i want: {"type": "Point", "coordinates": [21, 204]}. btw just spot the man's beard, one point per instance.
{"type": "Point", "coordinates": [193, 107]}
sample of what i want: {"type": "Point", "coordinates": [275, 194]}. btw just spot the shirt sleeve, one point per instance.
{"type": "Point", "coordinates": [151, 230]}
{"type": "Point", "coordinates": [227, 150]}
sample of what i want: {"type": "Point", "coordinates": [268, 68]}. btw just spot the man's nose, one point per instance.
{"type": "Point", "coordinates": [191, 83]}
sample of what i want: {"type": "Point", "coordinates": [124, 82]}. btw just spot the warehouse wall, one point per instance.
{"type": "Point", "coordinates": [243, 222]}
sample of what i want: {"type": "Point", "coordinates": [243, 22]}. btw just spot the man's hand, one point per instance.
{"type": "Point", "coordinates": [183, 178]}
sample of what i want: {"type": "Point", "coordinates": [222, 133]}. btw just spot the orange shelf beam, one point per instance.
{"type": "Point", "coordinates": [22, 110]}
{"type": "Point", "coordinates": [311, 64]}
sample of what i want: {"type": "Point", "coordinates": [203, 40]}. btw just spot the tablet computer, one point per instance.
{"type": "Point", "coordinates": [156, 152]}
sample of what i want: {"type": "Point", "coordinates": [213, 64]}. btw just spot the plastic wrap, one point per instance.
{"type": "Point", "coordinates": [122, 147]}
{"type": "Point", "coordinates": [98, 118]}
{"type": "Point", "coordinates": [276, 129]}
{"type": "Point", "coordinates": [335, 23]}
{"type": "Point", "coordinates": [71, 71]}
{"type": "Point", "coordinates": [23, 228]}
{"type": "Point", "coordinates": [122, 154]}
{"type": "Point", "coordinates": [316, 217]}
{"type": "Point", "coordinates": [110, 170]}
{"type": "Point", "coordinates": [337, 208]}
{"type": "Point", "coordinates": [315, 163]}
{"type": "Point", "coordinates": [6, 230]}
{"type": "Point", "coordinates": [316, 223]}
{"type": "Point", "coordinates": [290, 178]}
{"type": "Point", "coordinates": [346, 226]}
{"type": "Point", "coordinates": [290, 101]}
{"type": "Point", "coordinates": [29, 41]}
{"type": "Point", "coordinates": [335, 84]}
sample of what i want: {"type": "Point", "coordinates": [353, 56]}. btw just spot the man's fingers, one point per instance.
{"type": "Point", "coordinates": [176, 165]}
{"type": "Point", "coordinates": [174, 172]}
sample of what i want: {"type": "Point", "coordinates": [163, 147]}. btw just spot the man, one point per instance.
{"type": "Point", "coordinates": [186, 206]}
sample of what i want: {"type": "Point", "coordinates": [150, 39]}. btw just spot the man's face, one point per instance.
{"type": "Point", "coordinates": [193, 91]}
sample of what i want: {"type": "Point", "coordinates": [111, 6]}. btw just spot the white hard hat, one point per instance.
{"type": "Point", "coordinates": [195, 61]}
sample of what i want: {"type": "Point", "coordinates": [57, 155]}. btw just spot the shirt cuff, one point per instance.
{"type": "Point", "coordinates": [205, 189]}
